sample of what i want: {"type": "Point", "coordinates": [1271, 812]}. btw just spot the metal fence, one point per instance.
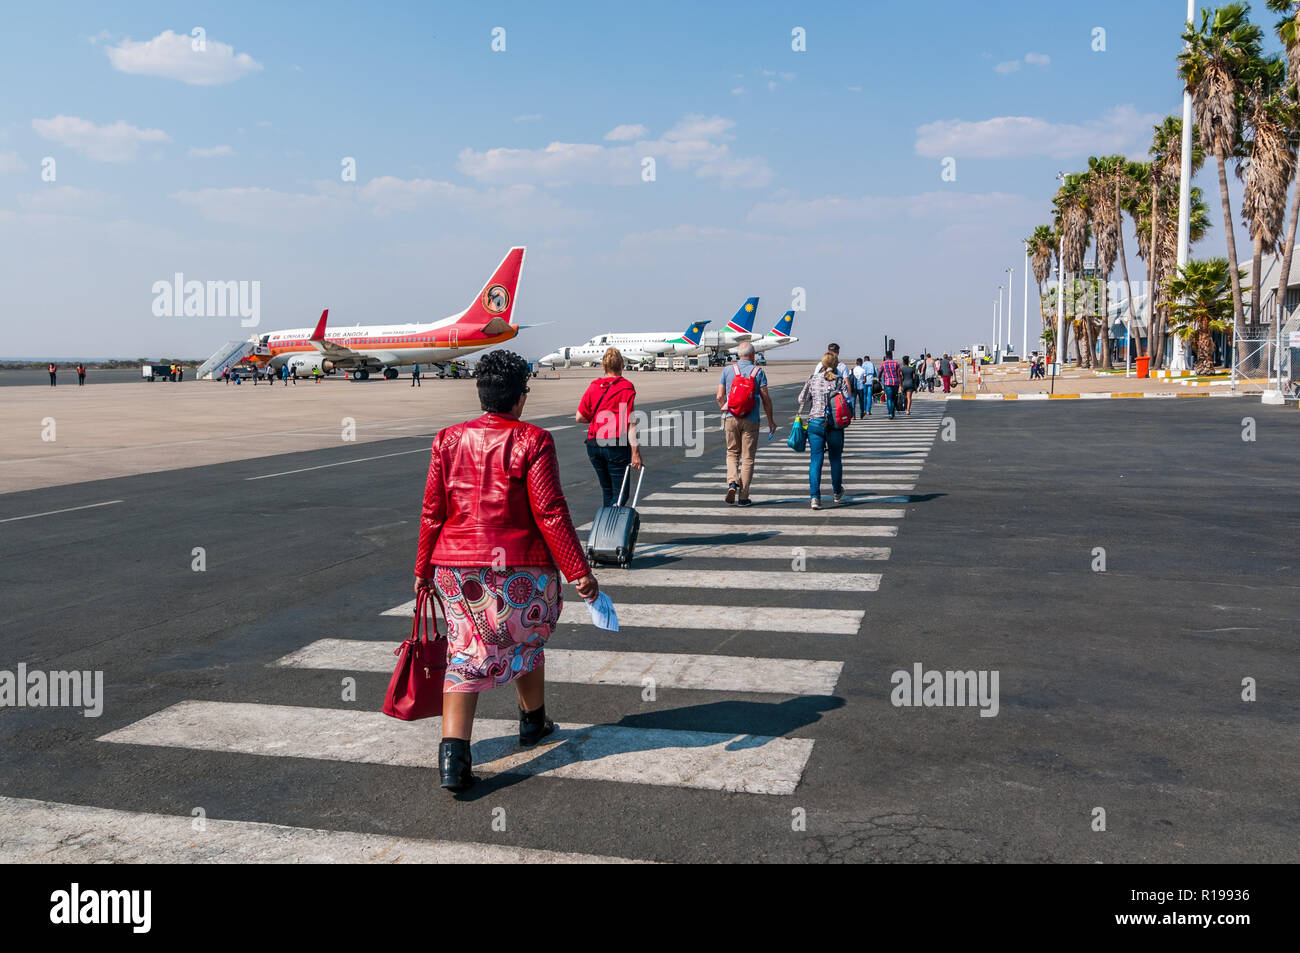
{"type": "Point", "coordinates": [1252, 353]}
{"type": "Point", "coordinates": [1264, 358]}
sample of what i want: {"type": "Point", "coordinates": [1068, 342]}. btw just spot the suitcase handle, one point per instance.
{"type": "Point", "coordinates": [622, 490]}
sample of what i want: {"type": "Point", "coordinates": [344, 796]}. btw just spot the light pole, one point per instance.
{"type": "Point", "coordinates": [997, 329]}
{"type": "Point", "coordinates": [1024, 331]}
{"type": "Point", "coordinates": [1010, 271]}
{"type": "Point", "coordinates": [1185, 199]}
{"type": "Point", "coordinates": [1058, 364]}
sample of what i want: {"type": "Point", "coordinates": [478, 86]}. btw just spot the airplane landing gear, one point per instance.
{"type": "Point", "coordinates": [390, 373]}
{"type": "Point", "coordinates": [361, 375]}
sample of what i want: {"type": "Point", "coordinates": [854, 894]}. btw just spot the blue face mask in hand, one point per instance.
{"type": "Point", "coordinates": [602, 611]}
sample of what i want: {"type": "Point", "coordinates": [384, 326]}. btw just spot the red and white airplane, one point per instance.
{"type": "Point", "coordinates": [361, 349]}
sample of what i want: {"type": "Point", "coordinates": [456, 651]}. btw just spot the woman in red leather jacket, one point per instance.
{"type": "Point", "coordinates": [494, 529]}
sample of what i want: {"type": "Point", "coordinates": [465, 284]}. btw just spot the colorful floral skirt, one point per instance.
{"type": "Point", "coordinates": [498, 620]}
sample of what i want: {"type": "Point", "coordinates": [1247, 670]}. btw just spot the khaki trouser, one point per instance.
{"type": "Point", "coordinates": [742, 447]}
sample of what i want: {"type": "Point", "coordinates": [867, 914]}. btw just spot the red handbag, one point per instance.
{"type": "Point", "coordinates": [415, 690]}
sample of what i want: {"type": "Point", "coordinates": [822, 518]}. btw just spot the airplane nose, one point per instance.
{"type": "Point", "coordinates": [552, 358]}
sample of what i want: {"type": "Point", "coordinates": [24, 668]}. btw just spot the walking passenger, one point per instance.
{"type": "Point", "coordinates": [415, 376]}
{"type": "Point", "coordinates": [81, 375]}
{"type": "Point", "coordinates": [861, 390]}
{"type": "Point", "coordinates": [54, 371]}
{"type": "Point", "coordinates": [945, 372]}
{"type": "Point", "coordinates": [908, 382]}
{"type": "Point", "coordinates": [606, 407]}
{"type": "Point", "coordinates": [494, 528]}
{"type": "Point", "coordinates": [869, 374]}
{"type": "Point", "coordinates": [930, 373]}
{"type": "Point", "coordinates": [823, 435]}
{"type": "Point", "coordinates": [889, 378]}
{"type": "Point", "coordinates": [741, 387]}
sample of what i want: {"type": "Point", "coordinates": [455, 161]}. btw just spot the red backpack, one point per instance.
{"type": "Point", "coordinates": [740, 399]}
{"type": "Point", "coordinates": [841, 409]}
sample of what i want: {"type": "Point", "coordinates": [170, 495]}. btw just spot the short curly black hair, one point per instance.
{"type": "Point", "coordinates": [502, 379]}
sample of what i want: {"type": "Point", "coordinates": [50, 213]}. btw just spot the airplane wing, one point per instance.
{"type": "Point", "coordinates": [331, 351]}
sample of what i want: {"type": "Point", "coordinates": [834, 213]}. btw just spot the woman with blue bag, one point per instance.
{"type": "Point", "coordinates": [823, 432]}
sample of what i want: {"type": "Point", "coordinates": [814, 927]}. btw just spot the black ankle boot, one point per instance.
{"type": "Point", "coordinates": [454, 764]}
{"type": "Point", "coordinates": [534, 726]}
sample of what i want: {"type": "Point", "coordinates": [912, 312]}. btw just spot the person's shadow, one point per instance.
{"type": "Point", "coordinates": [730, 725]}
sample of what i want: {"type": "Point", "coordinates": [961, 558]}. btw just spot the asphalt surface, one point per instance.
{"type": "Point", "coordinates": [1118, 689]}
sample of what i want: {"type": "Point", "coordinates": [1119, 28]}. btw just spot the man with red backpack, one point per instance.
{"type": "Point", "coordinates": [742, 386]}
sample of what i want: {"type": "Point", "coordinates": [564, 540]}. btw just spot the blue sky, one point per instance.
{"type": "Point", "coordinates": [775, 169]}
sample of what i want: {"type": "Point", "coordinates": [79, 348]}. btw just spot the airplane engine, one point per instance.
{"type": "Point", "coordinates": [305, 363]}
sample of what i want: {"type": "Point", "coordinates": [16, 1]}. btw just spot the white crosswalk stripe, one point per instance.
{"type": "Point", "coordinates": [758, 532]}
{"type": "Point", "coordinates": [769, 485]}
{"type": "Point", "coordinates": [713, 761]}
{"type": "Point", "coordinates": [769, 500]}
{"type": "Point", "coordinates": [726, 618]}
{"type": "Point", "coordinates": [759, 518]}
{"type": "Point", "coordinates": [719, 673]}
{"type": "Point", "coordinates": [49, 832]}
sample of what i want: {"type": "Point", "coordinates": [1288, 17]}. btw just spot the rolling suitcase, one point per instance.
{"type": "Point", "coordinates": [614, 530]}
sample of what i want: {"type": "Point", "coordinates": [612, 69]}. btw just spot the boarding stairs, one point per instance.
{"type": "Point", "coordinates": [230, 353]}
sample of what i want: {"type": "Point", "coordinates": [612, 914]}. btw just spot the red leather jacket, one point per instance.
{"type": "Point", "coordinates": [494, 498]}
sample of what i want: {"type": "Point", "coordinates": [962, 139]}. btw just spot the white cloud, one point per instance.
{"type": "Point", "coordinates": [697, 143]}
{"type": "Point", "coordinates": [1013, 66]}
{"type": "Point", "coordinates": [67, 200]}
{"type": "Point", "coordinates": [173, 56]}
{"type": "Point", "coordinates": [116, 142]}
{"type": "Point", "coordinates": [259, 207]}
{"type": "Point", "coordinates": [333, 203]}
{"type": "Point", "coordinates": [694, 234]}
{"type": "Point", "coordinates": [390, 194]}
{"type": "Point", "coordinates": [529, 117]}
{"type": "Point", "coordinates": [945, 206]}
{"type": "Point", "coordinates": [11, 162]}
{"type": "Point", "coordinates": [738, 90]}
{"type": "Point", "coordinates": [627, 133]}
{"type": "Point", "coordinates": [1123, 129]}
{"type": "Point", "coordinates": [210, 152]}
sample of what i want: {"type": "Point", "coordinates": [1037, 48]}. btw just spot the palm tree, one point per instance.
{"type": "Point", "coordinates": [1202, 293]}
{"type": "Point", "coordinates": [1268, 168]}
{"type": "Point", "coordinates": [1156, 214]}
{"type": "Point", "coordinates": [1104, 179]}
{"type": "Point", "coordinates": [1129, 184]}
{"type": "Point", "coordinates": [1042, 246]}
{"type": "Point", "coordinates": [1288, 31]}
{"type": "Point", "coordinates": [1216, 66]}
{"type": "Point", "coordinates": [1071, 221]}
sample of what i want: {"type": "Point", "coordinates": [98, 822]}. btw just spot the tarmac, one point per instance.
{"type": "Point", "coordinates": [774, 733]}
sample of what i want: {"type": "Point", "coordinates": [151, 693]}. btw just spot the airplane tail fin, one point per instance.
{"type": "Point", "coordinates": [694, 332]}
{"type": "Point", "coordinates": [319, 333]}
{"type": "Point", "coordinates": [743, 322]}
{"type": "Point", "coordinates": [784, 326]}
{"type": "Point", "coordinates": [493, 310]}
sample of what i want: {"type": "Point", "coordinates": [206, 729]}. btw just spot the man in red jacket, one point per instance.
{"type": "Point", "coordinates": [495, 535]}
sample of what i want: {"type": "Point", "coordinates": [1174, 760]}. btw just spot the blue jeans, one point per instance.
{"type": "Point", "coordinates": [861, 398]}
{"type": "Point", "coordinates": [891, 400]}
{"type": "Point", "coordinates": [820, 439]}
{"type": "Point", "coordinates": [610, 463]}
